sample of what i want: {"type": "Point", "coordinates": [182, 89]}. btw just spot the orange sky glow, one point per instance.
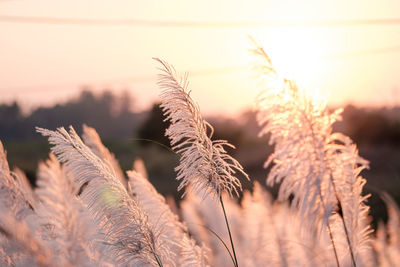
{"type": "Point", "coordinates": [349, 50]}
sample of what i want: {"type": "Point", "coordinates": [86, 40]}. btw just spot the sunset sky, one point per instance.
{"type": "Point", "coordinates": [350, 50]}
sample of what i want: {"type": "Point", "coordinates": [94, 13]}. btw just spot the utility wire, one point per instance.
{"type": "Point", "coordinates": [128, 80]}
{"type": "Point", "coordinates": [193, 24]}
{"type": "Point", "coordinates": [201, 72]}
{"type": "Point", "coordinates": [375, 51]}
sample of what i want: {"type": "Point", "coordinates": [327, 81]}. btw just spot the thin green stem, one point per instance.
{"type": "Point", "coordinates": [229, 231]}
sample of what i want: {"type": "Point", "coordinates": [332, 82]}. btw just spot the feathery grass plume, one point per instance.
{"type": "Point", "coordinates": [393, 224]}
{"type": "Point", "coordinates": [138, 165]}
{"type": "Point", "coordinates": [70, 233]}
{"type": "Point", "coordinates": [25, 186]}
{"type": "Point", "coordinates": [299, 128]}
{"type": "Point", "coordinates": [130, 238]}
{"type": "Point", "coordinates": [204, 221]}
{"type": "Point", "coordinates": [315, 166]}
{"type": "Point", "coordinates": [346, 166]}
{"type": "Point", "coordinates": [300, 247]}
{"type": "Point", "coordinates": [175, 237]}
{"type": "Point", "coordinates": [5, 256]}
{"type": "Point", "coordinates": [11, 190]}
{"type": "Point", "coordinates": [204, 163]}
{"type": "Point", "coordinates": [262, 243]}
{"type": "Point", "coordinates": [384, 255]}
{"type": "Point", "coordinates": [197, 224]}
{"type": "Point", "coordinates": [191, 254]}
{"type": "Point", "coordinates": [30, 250]}
{"type": "Point", "coordinates": [273, 236]}
{"type": "Point", "coordinates": [92, 139]}
{"type": "Point", "coordinates": [387, 242]}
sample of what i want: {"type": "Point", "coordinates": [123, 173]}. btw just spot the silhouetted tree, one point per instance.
{"type": "Point", "coordinates": [11, 122]}
{"type": "Point", "coordinates": [371, 126]}
{"type": "Point", "coordinates": [154, 127]}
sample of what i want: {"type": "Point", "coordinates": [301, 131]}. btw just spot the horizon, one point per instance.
{"type": "Point", "coordinates": [349, 51]}
{"type": "Point", "coordinates": [118, 95]}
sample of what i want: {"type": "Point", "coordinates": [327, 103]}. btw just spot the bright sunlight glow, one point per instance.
{"type": "Point", "coordinates": [295, 53]}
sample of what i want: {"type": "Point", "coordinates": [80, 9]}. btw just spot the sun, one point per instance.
{"type": "Point", "coordinates": [296, 53]}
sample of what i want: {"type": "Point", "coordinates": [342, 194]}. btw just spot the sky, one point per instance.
{"type": "Point", "coordinates": [317, 43]}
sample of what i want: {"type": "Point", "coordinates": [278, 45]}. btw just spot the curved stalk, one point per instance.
{"type": "Point", "coordinates": [229, 231]}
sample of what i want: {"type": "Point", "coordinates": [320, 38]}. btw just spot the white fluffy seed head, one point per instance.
{"type": "Point", "coordinates": [204, 164]}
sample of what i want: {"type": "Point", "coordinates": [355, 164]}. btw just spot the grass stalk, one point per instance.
{"type": "Point", "coordinates": [338, 200]}
{"type": "Point", "coordinates": [229, 231]}
{"type": "Point", "coordinates": [330, 233]}
{"type": "Point", "coordinates": [220, 239]}
{"type": "Point", "coordinates": [333, 244]}
{"type": "Point", "coordinates": [158, 260]}
{"type": "Point", "coordinates": [353, 261]}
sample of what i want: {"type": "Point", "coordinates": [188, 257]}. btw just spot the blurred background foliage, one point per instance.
{"type": "Point", "coordinates": [130, 135]}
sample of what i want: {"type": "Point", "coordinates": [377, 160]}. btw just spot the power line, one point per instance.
{"type": "Point", "coordinates": [127, 80]}
{"type": "Point", "coordinates": [199, 72]}
{"type": "Point", "coordinates": [193, 24]}
{"type": "Point", "coordinates": [375, 51]}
